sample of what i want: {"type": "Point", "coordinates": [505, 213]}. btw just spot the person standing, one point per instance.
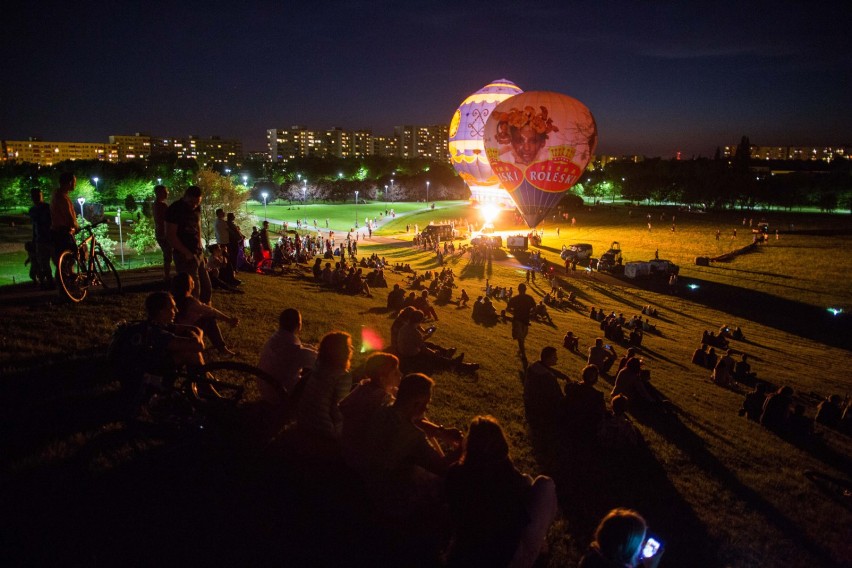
{"type": "Point", "coordinates": [63, 220]}
{"type": "Point", "coordinates": [183, 230]}
{"type": "Point", "coordinates": [42, 248]}
{"type": "Point", "coordinates": [521, 307]}
{"type": "Point", "coordinates": [236, 241]}
{"type": "Point", "coordinates": [161, 193]}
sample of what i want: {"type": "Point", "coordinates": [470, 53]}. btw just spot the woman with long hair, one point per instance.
{"type": "Point", "coordinates": [500, 516]}
{"type": "Point", "coordinates": [329, 382]}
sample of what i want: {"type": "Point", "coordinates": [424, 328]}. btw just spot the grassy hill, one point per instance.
{"type": "Point", "coordinates": [719, 490]}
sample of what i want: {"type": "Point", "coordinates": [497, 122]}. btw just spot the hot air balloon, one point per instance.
{"type": "Point", "coordinates": [538, 144]}
{"type": "Point", "coordinates": [467, 153]}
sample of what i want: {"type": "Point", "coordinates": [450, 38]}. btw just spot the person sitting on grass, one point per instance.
{"type": "Point", "coordinates": [699, 356]}
{"type": "Point", "coordinates": [723, 371]}
{"type": "Point", "coordinates": [543, 395]}
{"type": "Point", "coordinates": [618, 543]}
{"type": "Point", "coordinates": [157, 347]}
{"type": "Point", "coordinates": [570, 341]}
{"type": "Point", "coordinates": [416, 353]}
{"type": "Point", "coordinates": [617, 431]}
{"type": "Point", "coordinates": [582, 408]}
{"type": "Point", "coordinates": [829, 411]}
{"type": "Point", "coordinates": [500, 517]}
{"type": "Point", "coordinates": [743, 372]}
{"type": "Point", "coordinates": [318, 416]}
{"type": "Point", "coordinates": [377, 389]}
{"type": "Point", "coordinates": [630, 383]}
{"type": "Point", "coordinates": [753, 403]}
{"type": "Point", "coordinates": [192, 312]}
{"type": "Point", "coordinates": [405, 461]}
{"type": "Point", "coordinates": [602, 357]}
{"type": "Point", "coordinates": [631, 353]}
{"type": "Point", "coordinates": [396, 298]}
{"type": "Point", "coordinates": [423, 304]}
{"type": "Point", "coordinates": [284, 357]}
{"type": "Point", "coordinates": [463, 298]}
{"type": "Point", "coordinates": [710, 359]}
{"type": "Point", "coordinates": [776, 410]}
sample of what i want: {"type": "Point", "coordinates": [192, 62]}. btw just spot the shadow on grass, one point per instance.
{"type": "Point", "coordinates": [793, 317]}
{"type": "Point", "coordinates": [670, 427]}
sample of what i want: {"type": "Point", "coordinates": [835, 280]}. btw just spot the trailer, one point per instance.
{"type": "Point", "coordinates": [637, 269]}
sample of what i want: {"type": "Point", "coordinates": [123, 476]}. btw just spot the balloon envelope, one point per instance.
{"type": "Point", "coordinates": [467, 153]}
{"type": "Point", "coordinates": [538, 144]}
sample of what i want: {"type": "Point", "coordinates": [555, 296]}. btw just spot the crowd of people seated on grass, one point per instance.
{"type": "Point", "coordinates": [778, 412]}
{"type": "Point", "coordinates": [343, 278]}
{"type": "Point", "coordinates": [577, 415]}
{"type": "Point", "coordinates": [559, 298]}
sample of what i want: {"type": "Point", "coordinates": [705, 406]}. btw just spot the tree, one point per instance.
{"type": "Point", "coordinates": [142, 237]}
{"type": "Point", "coordinates": [130, 202]}
{"type": "Point", "coordinates": [218, 192]}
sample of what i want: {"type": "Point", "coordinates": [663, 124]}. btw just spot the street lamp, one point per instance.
{"type": "Point", "coordinates": [81, 201]}
{"type": "Point", "coordinates": [96, 179]}
{"type": "Point", "coordinates": [159, 181]}
{"type": "Point", "coordinates": [304, 190]}
{"type": "Point", "coordinates": [245, 180]}
{"type": "Point", "coordinates": [386, 193]}
{"type": "Point", "coordinates": [427, 193]}
{"type": "Point", "coordinates": [391, 189]}
{"type": "Point", "coordinates": [120, 237]}
{"type": "Point", "coordinates": [356, 208]}
{"type": "Point", "coordinates": [264, 195]}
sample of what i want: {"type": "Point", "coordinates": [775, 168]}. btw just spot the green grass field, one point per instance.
{"type": "Point", "coordinates": [718, 489]}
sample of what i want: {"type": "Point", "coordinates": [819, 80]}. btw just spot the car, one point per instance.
{"type": "Point", "coordinates": [578, 252]}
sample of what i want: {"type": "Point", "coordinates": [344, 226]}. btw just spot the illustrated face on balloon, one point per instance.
{"type": "Point", "coordinates": [538, 144]}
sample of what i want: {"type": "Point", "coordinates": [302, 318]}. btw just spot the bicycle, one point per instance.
{"type": "Point", "coordinates": [86, 266]}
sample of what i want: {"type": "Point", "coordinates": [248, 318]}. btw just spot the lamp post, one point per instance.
{"type": "Point", "coordinates": [391, 189]}
{"type": "Point", "coordinates": [386, 193]}
{"type": "Point", "coordinates": [245, 180]}
{"type": "Point", "coordinates": [120, 237]}
{"type": "Point", "coordinates": [81, 201]}
{"type": "Point", "coordinates": [264, 195]}
{"type": "Point", "coordinates": [427, 194]}
{"type": "Point", "coordinates": [96, 179]}
{"type": "Point", "coordinates": [159, 181]}
{"type": "Point", "coordinates": [356, 208]}
{"type": "Point", "coordinates": [304, 190]}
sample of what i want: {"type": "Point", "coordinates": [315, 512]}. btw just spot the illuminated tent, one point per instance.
{"type": "Point", "coordinates": [538, 144]}
{"type": "Point", "coordinates": [467, 152]}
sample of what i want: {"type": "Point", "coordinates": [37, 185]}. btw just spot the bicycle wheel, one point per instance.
{"type": "Point", "coordinates": [234, 381]}
{"type": "Point", "coordinates": [107, 274]}
{"type": "Point", "coordinates": [72, 276]}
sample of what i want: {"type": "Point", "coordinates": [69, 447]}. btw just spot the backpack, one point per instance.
{"type": "Point", "coordinates": [129, 347]}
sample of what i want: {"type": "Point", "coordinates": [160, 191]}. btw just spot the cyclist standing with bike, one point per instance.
{"type": "Point", "coordinates": [183, 230]}
{"type": "Point", "coordinates": [63, 220]}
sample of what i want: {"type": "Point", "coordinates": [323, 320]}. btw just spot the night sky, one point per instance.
{"type": "Point", "coordinates": [659, 76]}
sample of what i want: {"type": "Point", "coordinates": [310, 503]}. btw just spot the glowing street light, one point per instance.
{"type": "Point", "coordinates": [265, 194]}
{"type": "Point", "coordinates": [386, 193]}
{"type": "Point", "coordinates": [120, 237]}
{"type": "Point", "coordinates": [81, 201]}
{"type": "Point", "coordinates": [427, 192]}
{"type": "Point", "coordinates": [159, 181]}
{"type": "Point", "coordinates": [245, 180]}
{"type": "Point", "coordinates": [96, 179]}
{"type": "Point", "coordinates": [356, 208]}
{"type": "Point", "coordinates": [339, 175]}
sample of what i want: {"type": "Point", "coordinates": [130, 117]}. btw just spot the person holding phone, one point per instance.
{"type": "Point", "coordinates": [621, 541]}
{"type": "Point", "coordinates": [602, 356]}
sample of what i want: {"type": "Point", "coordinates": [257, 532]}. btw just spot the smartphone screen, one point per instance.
{"type": "Point", "coordinates": [651, 547]}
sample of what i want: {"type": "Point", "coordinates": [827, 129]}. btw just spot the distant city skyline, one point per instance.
{"type": "Point", "coordinates": [660, 78]}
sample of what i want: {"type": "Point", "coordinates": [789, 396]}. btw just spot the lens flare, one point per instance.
{"type": "Point", "coordinates": [370, 340]}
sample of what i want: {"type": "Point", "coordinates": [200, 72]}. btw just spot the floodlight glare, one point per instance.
{"type": "Point", "coordinates": [489, 212]}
